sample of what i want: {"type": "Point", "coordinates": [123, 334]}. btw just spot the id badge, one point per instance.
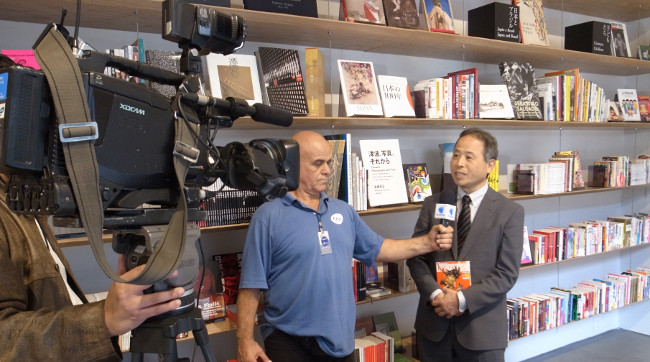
{"type": "Point", "coordinates": [324, 242]}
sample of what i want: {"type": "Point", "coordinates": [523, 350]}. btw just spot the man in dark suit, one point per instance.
{"type": "Point", "coordinates": [469, 325]}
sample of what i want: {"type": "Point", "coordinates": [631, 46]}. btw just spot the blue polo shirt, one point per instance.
{"type": "Point", "coordinates": [306, 293]}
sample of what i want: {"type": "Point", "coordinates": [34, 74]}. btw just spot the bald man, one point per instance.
{"type": "Point", "coordinates": [298, 252]}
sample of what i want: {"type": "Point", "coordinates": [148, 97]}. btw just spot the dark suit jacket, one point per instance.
{"type": "Point", "coordinates": [493, 247]}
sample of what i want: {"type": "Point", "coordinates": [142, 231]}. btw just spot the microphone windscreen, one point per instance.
{"type": "Point", "coordinates": [447, 196]}
{"type": "Point", "coordinates": [272, 115]}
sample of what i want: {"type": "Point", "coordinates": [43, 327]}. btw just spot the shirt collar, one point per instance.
{"type": "Point", "coordinates": [476, 196]}
{"type": "Point", "coordinates": [290, 200]}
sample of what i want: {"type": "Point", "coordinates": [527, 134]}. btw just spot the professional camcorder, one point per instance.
{"type": "Point", "coordinates": [135, 131]}
{"type": "Point", "coordinates": [138, 145]}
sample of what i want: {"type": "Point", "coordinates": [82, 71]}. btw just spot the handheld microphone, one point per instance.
{"type": "Point", "coordinates": [446, 207]}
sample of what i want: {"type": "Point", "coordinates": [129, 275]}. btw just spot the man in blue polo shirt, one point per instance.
{"type": "Point", "coordinates": [298, 251]}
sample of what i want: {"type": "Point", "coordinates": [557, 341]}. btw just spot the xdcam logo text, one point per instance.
{"type": "Point", "coordinates": [132, 109]}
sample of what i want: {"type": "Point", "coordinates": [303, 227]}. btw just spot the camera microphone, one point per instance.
{"type": "Point", "coordinates": [238, 107]}
{"type": "Point", "coordinates": [272, 115]}
{"type": "Point", "coordinates": [446, 207]}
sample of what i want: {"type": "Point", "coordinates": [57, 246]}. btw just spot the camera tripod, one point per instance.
{"type": "Point", "coordinates": [158, 335]}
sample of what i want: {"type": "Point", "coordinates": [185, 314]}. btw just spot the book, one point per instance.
{"type": "Point", "coordinates": [526, 256]}
{"type": "Point", "coordinates": [337, 148]}
{"type": "Point", "coordinates": [615, 113]}
{"type": "Point", "coordinates": [454, 275]}
{"type": "Point", "coordinates": [359, 88]}
{"type": "Point", "coordinates": [395, 96]}
{"type": "Point", "coordinates": [210, 293]}
{"type": "Point", "coordinates": [402, 14]}
{"type": "Point", "coordinates": [438, 15]}
{"type": "Point", "coordinates": [292, 7]}
{"type": "Point", "coordinates": [644, 52]}
{"type": "Point", "coordinates": [230, 274]}
{"type": "Point", "coordinates": [532, 23]}
{"type": "Point", "coordinates": [467, 88]}
{"type": "Point", "coordinates": [385, 174]}
{"type": "Point", "coordinates": [345, 183]}
{"type": "Point", "coordinates": [620, 43]}
{"type": "Point", "coordinates": [644, 108]}
{"type": "Point", "coordinates": [629, 103]}
{"type": "Point", "coordinates": [165, 59]}
{"type": "Point", "coordinates": [234, 75]}
{"type": "Point", "coordinates": [417, 181]}
{"type": "Point", "coordinates": [494, 102]}
{"type": "Point", "coordinates": [363, 11]}
{"type": "Point", "coordinates": [519, 78]}
{"type": "Point", "coordinates": [398, 276]}
{"type": "Point", "coordinates": [570, 93]}
{"type": "Point", "coordinates": [283, 85]}
{"type": "Point", "coordinates": [315, 82]}
{"type": "Point", "coordinates": [386, 323]}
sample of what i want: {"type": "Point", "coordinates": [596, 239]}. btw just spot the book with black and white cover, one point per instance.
{"type": "Point", "coordinates": [629, 103]}
{"type": "Point", "coordinates": [532, 22]}
{"type": "Point", "coordinates": [359, 88]}
{"type": "Point", "coordinates": [234, 75]}
{"type": "Point", "coordinates": [293, 7]}
{"type": "Point", "coordinates": [402, 14]}
{"type": "Point", "coordinates": [519, 78]}
{"type": "Point", "coordinates": [283, 84]}
{"type": "Point", "coordinates": [363, 11]}
{"type": "Point", "coordinates": [383, 161]}
{"type": "Point", "coordinates": [494, 102]}
{"type": "Point", "coordinates": [620, 42]}
{"type": "Point", "coordinates": [395, 96]}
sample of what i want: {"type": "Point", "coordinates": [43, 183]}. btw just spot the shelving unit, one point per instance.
{"type": "Point", "coordinates": [332, 34]}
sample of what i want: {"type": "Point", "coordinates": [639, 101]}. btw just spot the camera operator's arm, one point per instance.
{"type": "Point", "coordinates": [247, 349]}
{"type": "Point", "coordinates": [126, 307]}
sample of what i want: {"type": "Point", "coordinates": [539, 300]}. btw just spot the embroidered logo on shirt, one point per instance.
{"type": "Point", "coordinates": [337, 218]}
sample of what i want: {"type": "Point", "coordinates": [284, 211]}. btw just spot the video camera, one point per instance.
{"type": "Point", "coordinates": [135, 138]}
{"type": "Point", "coordinates": [133, 130]}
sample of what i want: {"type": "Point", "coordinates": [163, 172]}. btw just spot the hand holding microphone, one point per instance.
{"type": "Point", "coordinates": [445, 211]}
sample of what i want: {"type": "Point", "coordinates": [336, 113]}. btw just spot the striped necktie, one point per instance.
{"type": "Point", "coordinates": [464, 222]}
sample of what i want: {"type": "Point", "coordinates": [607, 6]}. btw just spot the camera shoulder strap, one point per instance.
{"type": "Point", "coordinates": [65, 80]}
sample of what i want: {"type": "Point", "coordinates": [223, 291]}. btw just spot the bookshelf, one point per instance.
{"type": "Point", "coordinates": [362, 39]}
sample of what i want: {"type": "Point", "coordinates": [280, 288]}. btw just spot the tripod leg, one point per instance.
{"type": "Point", "coordinates": [201, 339]}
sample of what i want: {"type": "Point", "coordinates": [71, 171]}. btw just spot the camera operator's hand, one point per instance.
{"type": "Point", "coordinates": [126, 306]}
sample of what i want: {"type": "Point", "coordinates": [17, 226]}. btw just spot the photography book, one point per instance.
{"type": "Point", "coordinates": [283, 84]}
{"type": "Point", "coordinates": [438, 15]}
{"type": "Point", "coordinates": [519, 78]}
{"type": "Point", "coordinates": [494, 102]}
{"type": "Point", "coordinates": [417, 181]}
{"type": "Point", "coordinates": [454, 275]}
{"type": "Point", "coordinates": [363, 11]}
{"type": "Point", "coordinates": [395, 96]}
{"type": "Point", "coordinates": [385, 174]}
{"type": "Point", "coordinates": [234, 75]}
{"type": "Point", "coordinates": [532, 23]}
{"type": "Point", "coordinates": [402, 14]}
{"type": "Point", "coordinates": [620, 42]}
{"type": "Point", "coordinates": [359, 88]}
